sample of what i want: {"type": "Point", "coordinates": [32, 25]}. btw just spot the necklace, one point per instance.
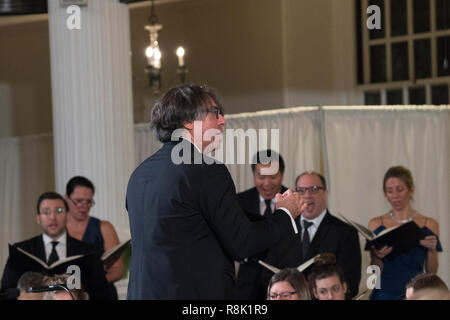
{"type": "Point", "coordinates": [405, 220]}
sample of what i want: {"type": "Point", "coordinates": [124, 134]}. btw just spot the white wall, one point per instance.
{"type": "Point", "coordinates": [233, 45]}
{"type": "Point", "coordinates": [307, 52]}
{"type": "Point", "coordinates": [343, 43]}
{"type": "Point", "coordinates": [5, 110]}
{"type": "Point", "coordinates": [319, 53]}
{"type": "Point", "coordinates": [25, 94]}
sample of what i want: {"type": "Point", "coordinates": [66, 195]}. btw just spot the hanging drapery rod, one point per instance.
{"type": "Point", "coordinates": [394, 108]}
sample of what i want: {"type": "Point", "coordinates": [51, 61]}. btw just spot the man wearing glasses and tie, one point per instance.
{"type": "Point", "coordinates": [55, 244]}
{"type": "Point", "coordinates": [320, 232]}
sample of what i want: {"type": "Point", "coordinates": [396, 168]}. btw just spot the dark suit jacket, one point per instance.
{"type": "Point", "coordinates": [91, 268]}
{"type": "Point", "coordinates": [187, 228]}
{"type": "Point", "coordinates": [248, 283]}
{"type": "Point", "coordinates": [333, 236]}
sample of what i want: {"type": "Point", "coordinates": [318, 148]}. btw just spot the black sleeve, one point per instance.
{"type": "Point", "coordinates": [286, 254]}
{"type": "Point", "coordinates": [96, 283]}
{"type": "Point", "coordinates": [219, 205]}
{"type": "Point", "coordinates": [9, 278]}
{"type": "Point", "coordinates": [349, 259]}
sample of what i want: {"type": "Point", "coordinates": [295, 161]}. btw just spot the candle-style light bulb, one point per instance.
{"type": "Point", "coordinates": [180, 53]}
{"type": "Point", "coordinates": [157, 58]}
{"type": "Point", "coordinates": [149, 54]}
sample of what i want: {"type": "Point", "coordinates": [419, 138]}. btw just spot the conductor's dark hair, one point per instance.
{"type": "Point", "coordinates": [324, 267]}
{"type": "Point", "coordinates": [265, 156]}
{"type": "Point", "coordinates": [180, 105]}
{"type": "Point", "coordinates": [51, 196]}
{"type": "Point", "coordinates": [78, 181]}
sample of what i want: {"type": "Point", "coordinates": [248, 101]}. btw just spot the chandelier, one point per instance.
{"type": "Point", "coordinates": [154, 55]}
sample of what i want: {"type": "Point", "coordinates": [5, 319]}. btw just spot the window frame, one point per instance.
{"type": "Point", "coordinates": [365, 43]}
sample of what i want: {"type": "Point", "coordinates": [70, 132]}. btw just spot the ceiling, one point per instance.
{"type": "Point", "coordinates": [25, 7]}
{"type": "Point", "coordinates": [25, 11]}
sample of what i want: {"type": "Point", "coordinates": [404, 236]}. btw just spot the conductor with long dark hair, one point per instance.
{"type": "Point", "coordinates": [187, 227]}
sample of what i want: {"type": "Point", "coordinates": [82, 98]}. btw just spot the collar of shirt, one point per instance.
{"type": "Point", "coordinates": [262, 205]}
{"type": "Point", "coordinates": [262, 208]}
{"type": "Point", "coordinates": [188, 139]}
{"type": "Point", "coordinates": [61, 248]}
{"type": "Point", "coordinates": [316, 223]}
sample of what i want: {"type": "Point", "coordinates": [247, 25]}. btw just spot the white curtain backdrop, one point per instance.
{"type": "Point", "coordinates": [145, 142]}
{"type": "Point", "coordinates": [299, 141]}
{"type": "Point", "coordinates": [364, 142]}
{"type": "Point", "coordinates": [361, 143]}
{"type": "Point", "coordinates": [26, 171]}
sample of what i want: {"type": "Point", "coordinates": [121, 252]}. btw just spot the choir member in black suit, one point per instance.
{"type": "Point", "coordinates": [321, 232]}
{"type": "Point", "coordinates": [258, 203]}
{"type": "Point", "coordinates": [54, 244]}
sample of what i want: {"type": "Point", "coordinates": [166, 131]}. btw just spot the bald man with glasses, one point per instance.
{"type": "Point", "coordinates": [320, 232]}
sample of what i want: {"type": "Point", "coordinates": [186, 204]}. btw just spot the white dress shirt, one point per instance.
{"type": "Point", "coordinates": [61, 247]}
{"type": "Point", "coordinates": [316, 223]}
{"type": "Point", "coordinates": [262, 205]}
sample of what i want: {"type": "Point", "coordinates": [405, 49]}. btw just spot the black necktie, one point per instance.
{"type": "Point", "coordinates": [53, 255]}
{"type": "Point", "coordinates": [305, 239]}
{"type": "Point", "coordinates": [268, 210]}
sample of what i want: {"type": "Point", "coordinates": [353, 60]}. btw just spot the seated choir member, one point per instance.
{"type": "Point", "coordinates": [288, 284]}
{"type": "Point", "coordinates": [327, 278]}
{"type": "Point", "coordinates": [425, 281]}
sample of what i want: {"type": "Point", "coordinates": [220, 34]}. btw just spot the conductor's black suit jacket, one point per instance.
{"type": "Point", "coordinates": [92, 273]}
{"type": "Point", "coordinates": [332, 236]}
{"type": "Point", "coordinates": [249, 286]}
{"type": "Point", "coordinates": [187, 227]}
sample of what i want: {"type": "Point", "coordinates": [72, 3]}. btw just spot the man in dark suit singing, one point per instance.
{"type": "Point", "coordinates": [187, 227]}
{"type": "Point", "coordinates": [320, 233]}
{"type": "Point", "coordinates": [55, 244]}
{"type": "Point", "coordinates": [258, 203]}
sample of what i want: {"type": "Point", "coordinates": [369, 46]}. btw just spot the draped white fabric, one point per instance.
{"type": "Point", "coordinates": [361, 144]}
{"type": "Point", "coordinates": [299, 142]}
{"type": "Point", "coordinates": [26, 171]}
{"type": "Point", "coordinates": [145, 141]}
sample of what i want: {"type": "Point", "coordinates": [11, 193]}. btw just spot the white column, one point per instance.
{"type": "Point", "coordinates": [92, 103]}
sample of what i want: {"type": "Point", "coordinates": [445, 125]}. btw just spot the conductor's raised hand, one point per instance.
{"type": "Point", "coordinates": [292, 201]}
